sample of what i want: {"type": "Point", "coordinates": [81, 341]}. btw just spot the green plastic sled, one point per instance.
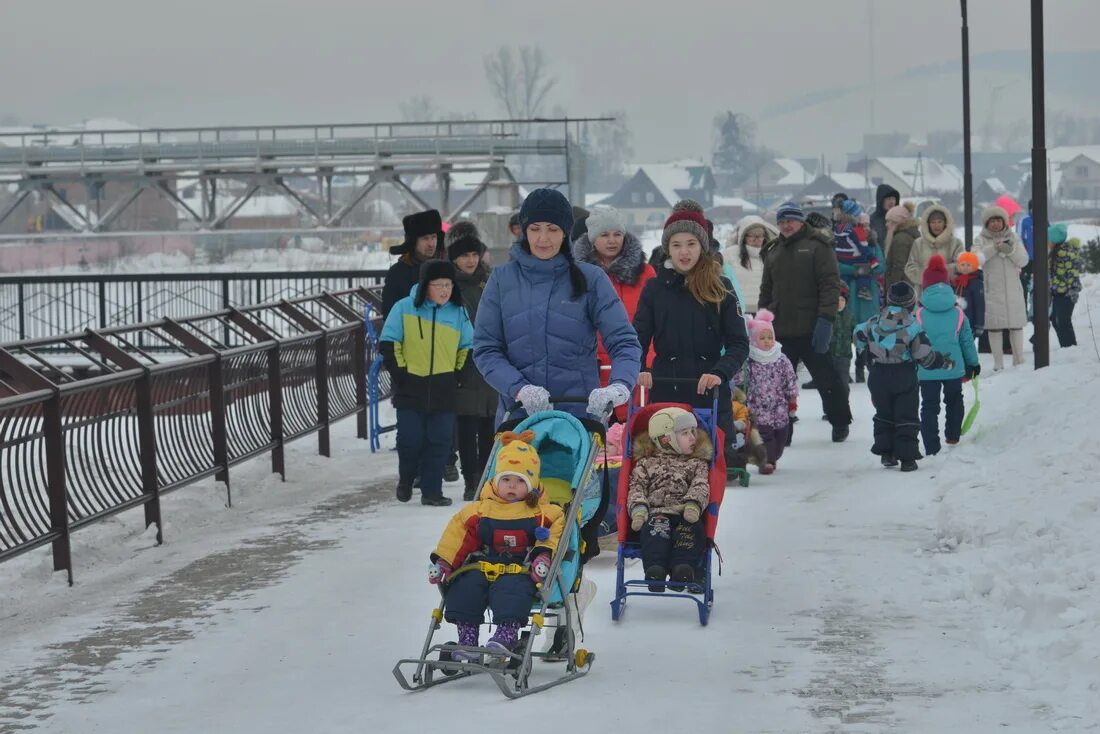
{"type": "Point", "coordinates": [972, 414]}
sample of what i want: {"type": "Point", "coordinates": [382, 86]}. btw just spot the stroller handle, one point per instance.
{"type": "Point", "coordinates": [711, 392]}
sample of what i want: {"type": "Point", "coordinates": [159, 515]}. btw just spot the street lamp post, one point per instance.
{"type": "Point", "coordinates": [968, 180]}
{"type": "Point", "coordinates": [1039, 194]}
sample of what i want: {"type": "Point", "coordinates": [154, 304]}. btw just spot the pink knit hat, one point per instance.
{"type": "Point", "coordinates": [761, 324]}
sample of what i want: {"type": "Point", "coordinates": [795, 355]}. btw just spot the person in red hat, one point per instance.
{"type": "Point", "coordinates": [949, 332]}
{"type": "Point", "coordinates": [692, 320]}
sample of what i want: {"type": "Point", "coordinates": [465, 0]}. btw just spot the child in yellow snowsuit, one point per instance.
{"type": "Point", "coordinates": [514, 527]}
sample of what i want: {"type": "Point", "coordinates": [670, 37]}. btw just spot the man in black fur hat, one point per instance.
{"type": "Point", "coordinates": [423, 242]}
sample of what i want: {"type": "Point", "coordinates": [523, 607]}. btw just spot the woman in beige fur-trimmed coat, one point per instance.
{"type": "Point", "coordinates": [1005, 308]}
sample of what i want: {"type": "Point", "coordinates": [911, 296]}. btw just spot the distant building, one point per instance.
{"type": "Point", "coordinates": [852, 184]}
{"type": "Point", "coordinates": [647, 196]}
{"type": "Point", "coordinates": [910, 176]}
{"type": "Point", "coordinates": [1073, 178]}
{"type": "Point", "coordinates": [781, 178]}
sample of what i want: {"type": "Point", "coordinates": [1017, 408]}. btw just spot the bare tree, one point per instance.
{"type": "Point", "coordinates": [420, 108]}
{"type": "Point", "coordinates": [519, 81]}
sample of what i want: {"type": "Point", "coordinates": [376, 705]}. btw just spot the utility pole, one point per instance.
{"type": "Point", "coordinates": [1039, 194]}
{"type": "Point", "coordinates": [968, 181]}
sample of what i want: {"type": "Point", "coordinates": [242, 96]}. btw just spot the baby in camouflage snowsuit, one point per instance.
{"type": "Point", "coordinates": [669, 489]}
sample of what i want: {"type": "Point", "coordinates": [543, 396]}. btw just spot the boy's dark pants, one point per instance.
{"type": "Point", "coordinates": [668, 541]}
{"type": "Point", "coordinates": [834, 394]}
{"type": "Point", "coordinates": [930, 412]}
{"type": "Point", "coordinates": [423, 442]}
{"type": "Point", "coordinates": [510, 597]}
{"type": "Point", "coordinates": [1061, 318]}
{"type": "Point", "coordinates": [896, 396]}
{"type": "Point", "coordinates": [475, 443]}
{"type": "Point", "coordinates": [775, 440]}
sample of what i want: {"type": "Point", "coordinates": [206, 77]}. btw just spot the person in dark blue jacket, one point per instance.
{"type": "Point", "coordinates": [535, 333]}
{"type": "Point", "coordinates": [897, 344]}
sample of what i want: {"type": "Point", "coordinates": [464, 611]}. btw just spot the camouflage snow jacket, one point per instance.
{"type": "Point", "coordinates": [663, 482]}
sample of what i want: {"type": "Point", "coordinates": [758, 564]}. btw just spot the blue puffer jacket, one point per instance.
{"type": "Point", "coordinates": [948, 330]}
{"type": "Point", "coordinates": [530, 330]}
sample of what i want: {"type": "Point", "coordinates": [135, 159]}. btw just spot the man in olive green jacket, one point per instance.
{"type": "Point", "coordinates": [801, 286]}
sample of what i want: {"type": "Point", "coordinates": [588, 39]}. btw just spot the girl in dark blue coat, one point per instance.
{"type": "Point", "coordinates": [688, 313]}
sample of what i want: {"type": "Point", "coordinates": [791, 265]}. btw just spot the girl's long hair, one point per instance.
{"type": "Point", "coordinates": [704, 281]}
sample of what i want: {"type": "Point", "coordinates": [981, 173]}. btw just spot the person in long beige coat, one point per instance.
{"type": "Point", "coordinates": [1005, 309]}
{"type": "Point", "coordinates": [937, 237]}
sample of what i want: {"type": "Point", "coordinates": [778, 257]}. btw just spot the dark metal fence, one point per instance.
{"type": "Point", "coordinates": [33, 307]}
{"type": "Point", "coordinates": [99, 421]}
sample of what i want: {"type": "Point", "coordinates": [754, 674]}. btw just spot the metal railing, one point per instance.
{"type": "Point", "coordinates": [98, 421]}
{"type": "Point", "coordinates": [33, 307]}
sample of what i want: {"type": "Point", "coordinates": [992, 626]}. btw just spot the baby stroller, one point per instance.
{"type": "Point", "coordinates": [701, 592]}
{"type": "Point", "coordinates": [567, 448]}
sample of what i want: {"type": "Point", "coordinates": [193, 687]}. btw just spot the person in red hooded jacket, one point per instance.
{"type": "Point", "coordinates": [618, 253]}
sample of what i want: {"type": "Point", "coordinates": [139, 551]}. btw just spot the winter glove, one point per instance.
{"type": "Point", "coordinates": [978, 331]}
{"type": "Point", "coordinates": [638, 517]}
{"type": "Point", "coordinates": [602, 399]}
{"type": "Point", "coordinates": [738, 440]}
{"type": "Point", "coordinates": [740, 426]}
{"type": "Point", "coordinates": [691, 513]}
{"type": "Point", "coordinates": [438, 572]}
{"type": "Point", "coordinates": [540, 566]}
{"type": "Point", "coordinates": [398, 376]}
{"type": "Point", "coordinates": [947, 363]}
{"type": "Point", "coordinates": [818, 221]}
{"type": "Point", "coordinates": [1004, 247]}
{"type": "Point", "coordinates": [823, 334]}
{"type": "Point", "coordinates": [533, 398]}
{"type": "Point", "coordinates": [792, 408]}
{"type": "Point", "coordinates": [973, 370]}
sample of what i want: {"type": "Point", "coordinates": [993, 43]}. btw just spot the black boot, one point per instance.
{"type": "Point", "coordinates": [404, 490]}
{"type": "Point", "coordinates": [656, 573]}
{"type": "Point", "coordinates": [809, 385]}
{"type": "Point", "coordinates": [472, 484]}
{"type": "Point", "coordinates": [681, 574]}
{"type": "Point", "coordinates": [908, 465]}
{"type": "Point", "coordinates": [888, 460]}
{"type": "Point", "coordinates": [436, 501]}
{"type": "Point", "coordinates": [450, 473]}
{"type": "Point", "coordinates": [840, 434]}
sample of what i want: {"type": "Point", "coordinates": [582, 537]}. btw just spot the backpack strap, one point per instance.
{"type": "Point", "coordinates": [959, 323]}
{"type": "Point", "coordinates": [918, 315]}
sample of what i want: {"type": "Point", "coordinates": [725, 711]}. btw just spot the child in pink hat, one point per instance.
{"type": "Point", "coordinates": [771, 387]}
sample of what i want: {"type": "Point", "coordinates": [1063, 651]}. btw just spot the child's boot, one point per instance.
{"type": "Point", "coordinates": [888, 460]}
{"type": "Point", "coordinates": [505, 638]}
{"type": "Point", "coordinates": [908, 465]}
{"type": "Point", "coordinates": [681, 574]}
{"type": "Point", "coordinates": [404, 490]}
{"type": "Point", "coordinates": [467, 637]}
{"type": "Point", "coordinates": [656, 573]}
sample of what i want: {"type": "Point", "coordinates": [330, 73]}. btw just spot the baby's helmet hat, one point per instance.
{"type": "Point", "coordinates": [667, 422]}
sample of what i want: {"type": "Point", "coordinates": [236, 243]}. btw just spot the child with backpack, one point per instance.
{"type": "Point", "coordinates": [896, 344]}
{"type": "Point", "coordinates": [949, 332]}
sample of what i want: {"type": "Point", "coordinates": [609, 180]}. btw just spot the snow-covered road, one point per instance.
{"type": "Point", "coordinates": [852, 599]}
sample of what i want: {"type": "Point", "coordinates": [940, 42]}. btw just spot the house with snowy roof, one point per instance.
{"type": "Point", "coordinates": [782, 178]}
{"type": "Point", "coordinates": [649, 194]}
{"type": "Point", "coordinates": [824, 186]}
{"type": "Point", "coordinates": [1073, 177]}
{"type": "Point", "coordinates": [911, 176]}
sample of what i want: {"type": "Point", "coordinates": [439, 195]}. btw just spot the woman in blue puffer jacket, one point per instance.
{"type": "Point", "coordinates": [535, 335]}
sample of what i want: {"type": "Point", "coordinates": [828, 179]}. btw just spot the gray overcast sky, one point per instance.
{"type": "Point", "coordinates": [671, 64]}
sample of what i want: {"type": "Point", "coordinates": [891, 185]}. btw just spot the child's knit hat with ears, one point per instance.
{"type": "Point", "coordinates": [762, 324]}
{"type": "Point", "coordinates": [518, 458]}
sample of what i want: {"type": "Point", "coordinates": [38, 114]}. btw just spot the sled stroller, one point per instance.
{"type": "Point", "coordinates": [701, 590]}
{"type": "Point", "coordinates": [567, 447]}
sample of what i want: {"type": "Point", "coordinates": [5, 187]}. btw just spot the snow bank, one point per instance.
{"type": "Point", "coordinates": [1017, 526]}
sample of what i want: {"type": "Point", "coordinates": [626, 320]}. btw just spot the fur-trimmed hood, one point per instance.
{"type": "Point", "coordinates": [626, 268]}
{"type": "Point", "coordinates": [644, 447]}
{"type": "Point", "coordinates": [947, 235]}
{"type": "Point", "coordinates": [745, 223]}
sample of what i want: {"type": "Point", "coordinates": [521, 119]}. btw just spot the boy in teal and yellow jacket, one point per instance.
{"type": "Point", "coordinates": [424, 343]}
